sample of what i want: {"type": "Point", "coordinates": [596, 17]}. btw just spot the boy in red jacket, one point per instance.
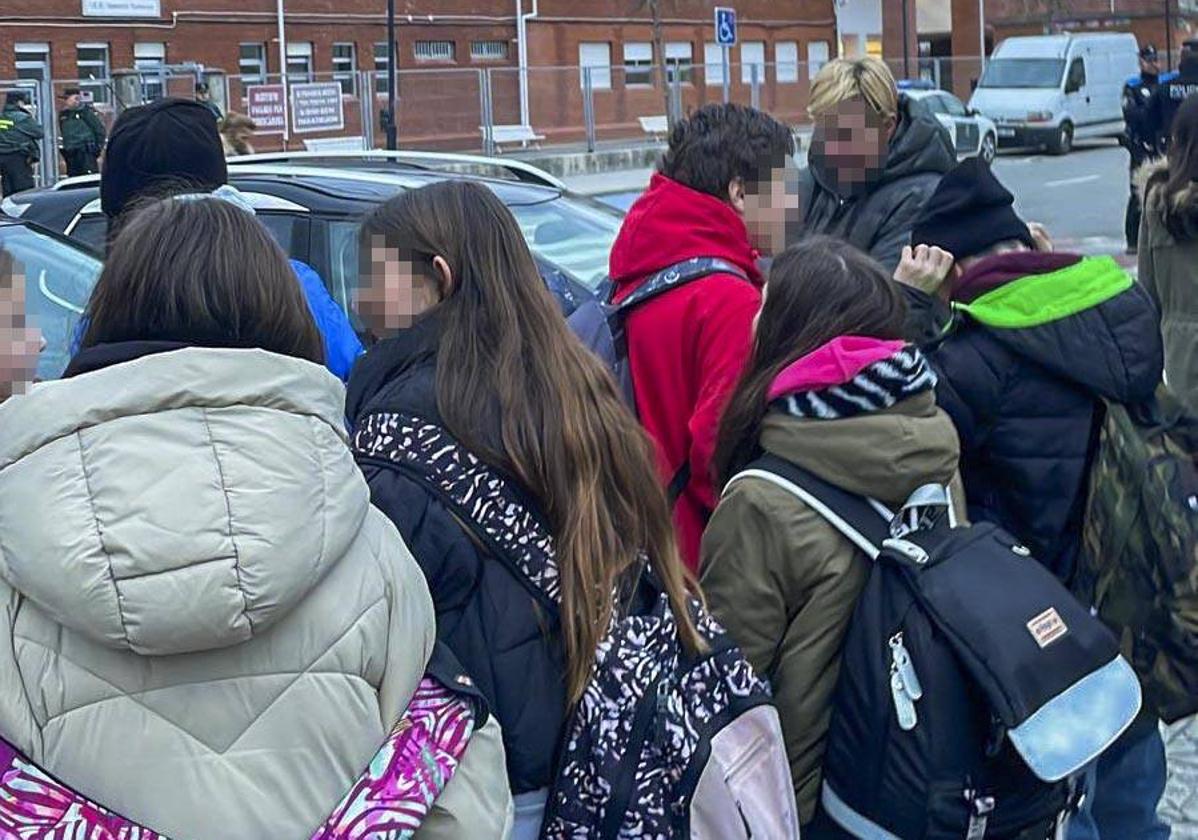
{"type": "Point", "coordinates": [726, 188]}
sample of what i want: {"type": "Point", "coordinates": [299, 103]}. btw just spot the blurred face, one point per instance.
{"type": "Point", "coordinates": [1150, 66]}
{"type": "Point", "coordinates": [397, 288]}
{"type": "Point", "coordinates": [853, 141]}
{"type": "Point", "coordinates": [73, 100]}
{"type": "Point", "coordinates": [20, 344]}
{"type": "Point", "coordinates": [770, 208]}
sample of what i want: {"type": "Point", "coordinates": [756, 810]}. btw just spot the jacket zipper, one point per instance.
{"type": "Point", "coordinates": [613, 817]}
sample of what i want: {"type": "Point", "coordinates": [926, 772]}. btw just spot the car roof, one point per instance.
{"type": "Point", "coordinates": [924, 94]}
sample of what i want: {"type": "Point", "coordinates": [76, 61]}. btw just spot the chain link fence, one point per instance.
{"type": "Point", "coordinates": [496, 110]}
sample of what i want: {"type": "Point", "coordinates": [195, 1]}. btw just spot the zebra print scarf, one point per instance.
{"type": "Point", "coordinates": [876, 388]}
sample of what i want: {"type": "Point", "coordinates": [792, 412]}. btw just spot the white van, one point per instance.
{"type": "Point", "coordinates": [1045, 90]}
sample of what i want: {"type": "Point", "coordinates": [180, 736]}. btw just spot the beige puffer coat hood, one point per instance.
{"type": "Point", "coordinates": [207, 627]}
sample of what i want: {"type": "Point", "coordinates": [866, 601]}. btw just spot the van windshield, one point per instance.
{"type": "Point", "coordinates": [1023, 73]}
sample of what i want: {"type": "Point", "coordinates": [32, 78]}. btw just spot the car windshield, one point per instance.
{"type": "Point", "coordinates": [1023, 73]}
{"type": "Point", "coordinates": [569, 234]}
{"type": "Point", "coordinates": [58, 281]}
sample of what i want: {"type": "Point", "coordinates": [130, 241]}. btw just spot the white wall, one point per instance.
{"type": "Point", "coordinates": [859, 20]}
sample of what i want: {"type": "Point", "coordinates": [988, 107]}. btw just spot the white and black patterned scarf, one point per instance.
{"type": "Point", "coordinates": [876, 388]}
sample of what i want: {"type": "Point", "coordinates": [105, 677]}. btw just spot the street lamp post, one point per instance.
{"type": "Point", "coordinates": [1168, 35]}
{"type": "Point", "coordinates": [906, 44]}
{"type": "Point", "coordinates": [392, 127]}
{"type": "Point", "coordinates": [283, 71]}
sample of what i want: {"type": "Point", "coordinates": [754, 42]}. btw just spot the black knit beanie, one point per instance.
{"type": "Point", "coordinates": [152, 146]}
{"type": "Point", "coordinates": [969, 212]}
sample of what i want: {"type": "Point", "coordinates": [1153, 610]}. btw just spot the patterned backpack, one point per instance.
{"type": "Point", "coordinates": [662, 744]}
{"type": "Point", "coordinates": [388, 802]}
{"type": "Point", "coordinates": [1139, 563]}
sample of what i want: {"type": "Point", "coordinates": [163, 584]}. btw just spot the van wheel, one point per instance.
{"type": "Point", "coordinates": [1063, 144]}
{"type": "Point", "coordinates": [989, 149]}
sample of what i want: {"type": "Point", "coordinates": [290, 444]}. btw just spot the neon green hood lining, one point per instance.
{"type": "Point", "coordinates": [1043, 298]}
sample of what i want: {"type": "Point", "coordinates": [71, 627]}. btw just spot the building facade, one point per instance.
{"type": "Point", "coordinates": [456, 58]}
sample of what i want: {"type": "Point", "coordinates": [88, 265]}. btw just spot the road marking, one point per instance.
{"type": "Point", "coordinates": [1064, 182]}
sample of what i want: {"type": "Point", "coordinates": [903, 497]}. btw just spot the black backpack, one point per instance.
{"type": "Point", "coordinates": [599, 325]}
{"type": "Point", "coordinates": [973, 685]}
{"type": "Point", "coordinates": [664, 743]}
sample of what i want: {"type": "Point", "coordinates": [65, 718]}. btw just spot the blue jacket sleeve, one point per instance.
{"type": "Point", "coordinates": [341, 344]}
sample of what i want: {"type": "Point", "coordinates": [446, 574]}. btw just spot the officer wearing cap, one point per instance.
{"type": "Point", "coordinates": [20, 143]}
{"type": "Point", "coordinates": [81, 132]}
{"type": "Point", "coordinates": [1140, 135]}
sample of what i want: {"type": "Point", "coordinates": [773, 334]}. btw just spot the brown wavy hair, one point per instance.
{"type": "Point", "coordinates": [1178, 182]}
{"type": "Point", "coordinates": [567, 436]}
{"type": "Point", "coordinates": [819, 289]}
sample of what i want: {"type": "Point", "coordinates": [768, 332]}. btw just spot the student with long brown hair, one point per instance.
{"type": "Point", "coordinates": [831, 387]}
{"type": "Point", "coordinates": [227, 629]}
{"type": "Point", "coordinates": [469, 341]}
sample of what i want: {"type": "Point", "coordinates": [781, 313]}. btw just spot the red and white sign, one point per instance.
{"type": "Point", "coordinates": [266, 105]}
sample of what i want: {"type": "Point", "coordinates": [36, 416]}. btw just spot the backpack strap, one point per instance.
{"type": "Point", "coordinates": [863, 522]}
{"type": "Point", "coordinates": [676, 275]}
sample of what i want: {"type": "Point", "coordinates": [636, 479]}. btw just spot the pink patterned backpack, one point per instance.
{"type": "Point", "coordinates": [390, 799]}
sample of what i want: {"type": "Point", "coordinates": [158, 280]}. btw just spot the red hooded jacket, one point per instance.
{"type": "Point", "coordinates": [686, 348]}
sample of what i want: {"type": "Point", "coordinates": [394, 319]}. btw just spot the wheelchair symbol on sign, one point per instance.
{"type": "Point", "coordinates": [725, 26]}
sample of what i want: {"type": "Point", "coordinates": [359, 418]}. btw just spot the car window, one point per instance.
{"type": "Point", "coordinates": [933, 104]}
{"type": "Point", "coordinates": [1022, 73]}
{"type": "Point", "coordinates": [952, 105]}
{"type": "Point", "coordinates": [58, 281]}
{"type": "Point", "coordinates": [92, 231]}
{"type": "Point", "coordinates": [284, 228]}
{"type": "Point", "coordinates": [1077, 76]}
{"type": "Point", "coordinates": [567, 234]}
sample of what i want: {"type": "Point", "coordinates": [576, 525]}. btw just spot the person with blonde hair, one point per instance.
{"type": "Point", "coordinates": [876, 156]}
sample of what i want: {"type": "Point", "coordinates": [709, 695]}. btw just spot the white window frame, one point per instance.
{"type": "Point", "coordinates": [440, 50]}
{"type": "Point", "coordinates": [752, 52]}
{"type": "Point", "coordinates": [149, 58]}
{"type": "Point", "coordinates": [381, 68]}
{"type": "Point", "coordinates": [22, 52]}
{"type": "Point", "coordinates": [680, 58]}
{"type": "Point", "coordinates": [819, 53]}
{"type": "Point", "coordinates": [494, 49]}
{"type": "Point", "coordinates": [638, 64]}
{"type": "Point", "coordinates": [99, 87]}
{"type": "Point", "coordinates": [597, 56]}
{"type": "Point", "coordinates": [345, 68]}
{"type": "Point", "coordinates": [299, 53]}
{"type": "Point", "coordinates": [713, 64]}
{"type": "Point", "coordinates": [786, 62]}
{"type": "Point", "coordinates": [256, 76]}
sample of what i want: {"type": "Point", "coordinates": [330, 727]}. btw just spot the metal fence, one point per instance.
{"type": "Point", "coordinates": [472, 109]}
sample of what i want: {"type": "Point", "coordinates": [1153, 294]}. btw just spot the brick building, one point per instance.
{"type": "Point", "coordinates": [451, 53]}
{"type": "Point", "coordinates": [1144, 18]}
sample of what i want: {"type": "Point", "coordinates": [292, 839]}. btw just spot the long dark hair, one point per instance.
{"type": "Point", "coordinates": [818, 290]}
{"type": "Point", "coordinates": [1179, 184]}
{"type": "Point", "coordinates": [566, 434]}
{"type": "Point", "coordinates": [200, 272]}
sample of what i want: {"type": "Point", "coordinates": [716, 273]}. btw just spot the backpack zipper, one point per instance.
{"type": "Point", "coordinates": [642, 721]}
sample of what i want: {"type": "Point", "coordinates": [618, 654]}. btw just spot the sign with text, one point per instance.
{"type": "Point", "coordinates": [725, 26]}
{"type": "Point", "coordinates": [266, 105]}
{"type": "Point", "coordinates": [317, 107]}
{"type": "Point", "coordinates": [122, 8]}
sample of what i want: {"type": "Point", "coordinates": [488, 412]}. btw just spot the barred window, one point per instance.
{"type": "Point", "coordinates": [434, 50]}
{"type": "Point", "coordinates": [489, 50]}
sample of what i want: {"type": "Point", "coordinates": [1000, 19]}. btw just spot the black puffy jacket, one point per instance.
{"type": "Point", "coordinates": [484, 615]}
{"type": "Point", "coordinates": [879, 220]}
{"type": "Point", "coordinates": [1024, 375]}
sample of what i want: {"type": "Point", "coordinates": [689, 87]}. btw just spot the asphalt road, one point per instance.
{"type": "Point", "coordinates": [1080, 198]}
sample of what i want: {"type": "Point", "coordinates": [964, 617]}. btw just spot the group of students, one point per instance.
{"type": "Point", "coordinates": [228, 578]}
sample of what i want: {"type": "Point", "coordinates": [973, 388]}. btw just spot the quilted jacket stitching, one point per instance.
{"type": "Point", "coordinates": [91, 503]}
{"type": "Point", "coordinates": [224, 488]}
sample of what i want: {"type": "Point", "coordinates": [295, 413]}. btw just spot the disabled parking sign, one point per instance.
{"type": "Point", "coordinates": [725, 26]}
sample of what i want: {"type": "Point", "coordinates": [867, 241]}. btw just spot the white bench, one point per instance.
{"type": "Point", "coordinates": [502, 135]}
{"type": "Point", "coordinates": [657, 126]}
{"type": "Point", "coordinates": [335, 144]}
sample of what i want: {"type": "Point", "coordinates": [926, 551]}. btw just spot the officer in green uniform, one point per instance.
{"type": "Point", "coordinates": [81, 132]}
{"type": "Point", "coordinates": [20, 139]}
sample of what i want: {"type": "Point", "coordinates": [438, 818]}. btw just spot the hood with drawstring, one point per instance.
{"type": "Point", "coordinates": [859, 413]}
{"type": "Point", "coordinates": [1042, 340]}
{"type": "Point", "coordinates": [879, 220]}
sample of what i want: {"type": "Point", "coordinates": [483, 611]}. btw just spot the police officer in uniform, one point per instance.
{"type": "Point", "coordinates": [1169, 95]}
{"type": "Point", "coordinates": [1140, 136]}
{"type": "Point", "coordinates": [20, 143]}
{"type": "Point", "coordinates": [81, 132]}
